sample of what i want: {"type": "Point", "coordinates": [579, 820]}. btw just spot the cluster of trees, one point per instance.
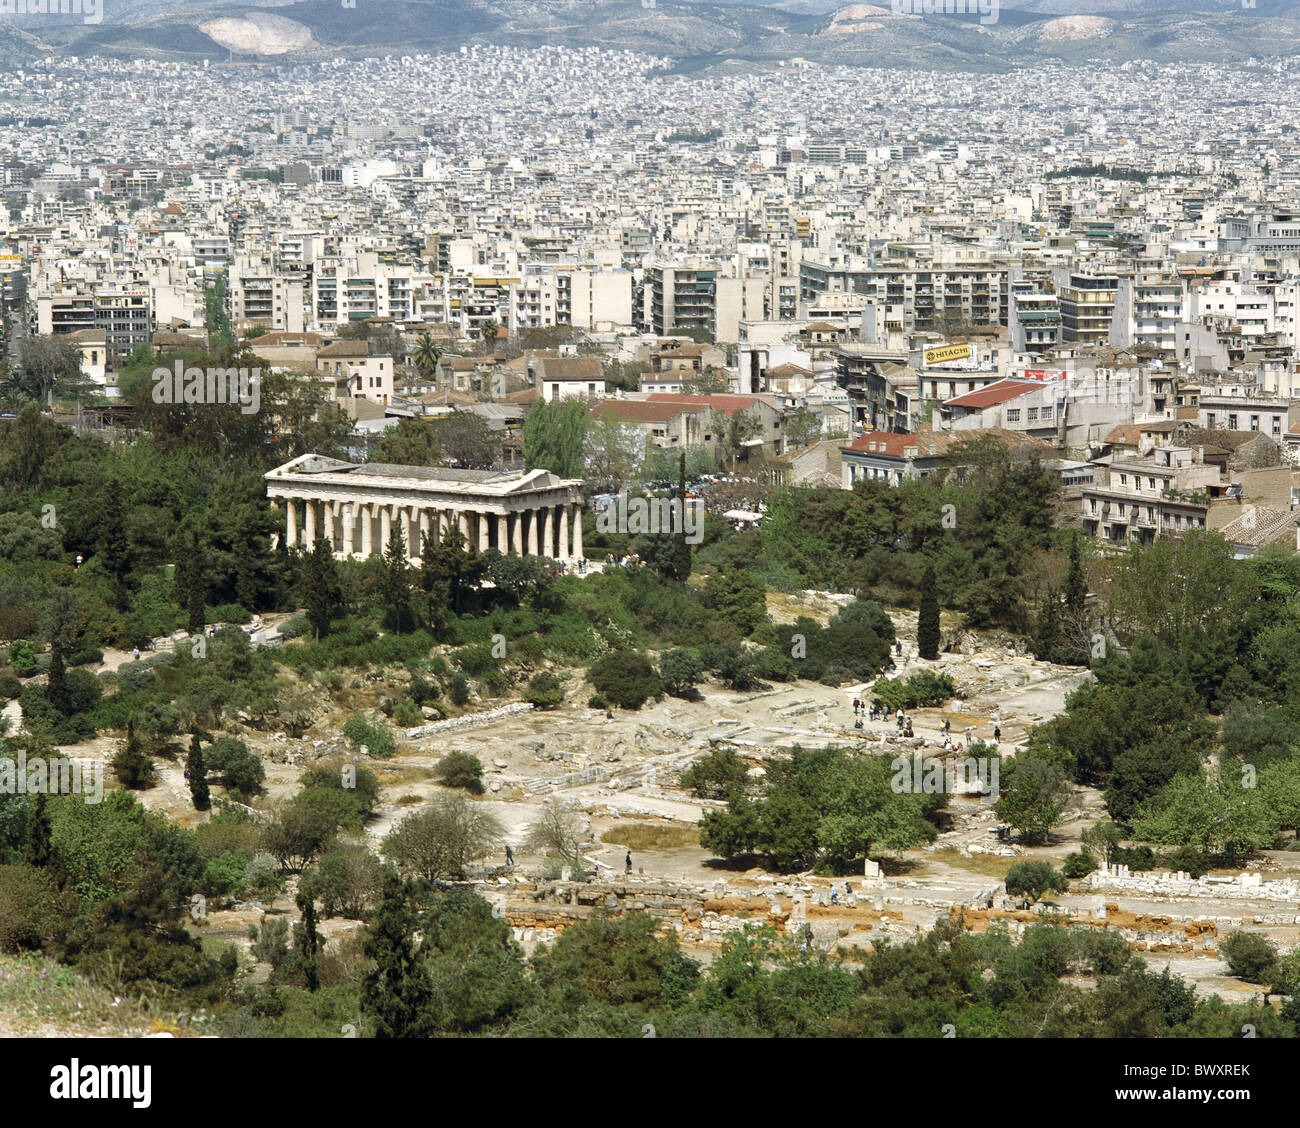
{"type": "Point", "coordinates": [829, 808]}
{"type": "Point", "coordinates": [1189, 724]}
{"type": "Point", "coordinates": [106, 889]}
{"type": "Point", "coordinates": [984, 526]}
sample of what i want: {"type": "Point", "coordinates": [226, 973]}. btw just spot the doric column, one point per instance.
{"type": "Point", "coordinates": [309, 521]}
{"type": "Point", "coordinates": [517, 534]}
{"type": "Point", "coordinates": [534, 547]}
{"type": "Point", "coordinates": [484, 531]}
{"type": "Point", "coordinates": [331, 522]}
{"type": "Point", "coordinates": [424, 530]}
{"type": "Point", "coordinates": [562, 517]}
{"type": "Point", "coordinates": [548, 539]}
{"type": "Point", "coordinates": [367, 514]}
{"type": "Point", "coordinates": [463, 521]}
{"type": "Point", "coordinates": [290, 523]}
{"type": "Point", "coordinates": [577, 530]}
{"type": "Point", "coordinates": [385, 528]}
{"type": "Point", "coordinates": [503, 533]}
{"type": "Point", "coordinates": [349, 524]}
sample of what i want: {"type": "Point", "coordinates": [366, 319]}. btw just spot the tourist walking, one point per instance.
{"type": "Point", "coordinates": [627, 863]}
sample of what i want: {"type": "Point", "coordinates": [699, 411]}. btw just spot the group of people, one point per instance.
{"type": "Point", "coordinates": [577, 567]}
{"type": "Point", "coordinates": [627, 861]}
{"type": "Point", "coordinates": [877, 711]}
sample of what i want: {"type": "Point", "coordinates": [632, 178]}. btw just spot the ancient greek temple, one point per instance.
{"type": "Point", "coordinates": [356, 507]}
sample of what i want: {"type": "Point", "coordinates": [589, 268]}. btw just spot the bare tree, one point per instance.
{"type": "Point", "coordinates": [48, 361]}
{"type": "Point", "coordinates": [439, 841]}
{"type": "Point", "coordinates": [556, 831]}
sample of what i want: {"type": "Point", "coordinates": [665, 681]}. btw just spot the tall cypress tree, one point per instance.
{"type": "Point", "coordinates": [113, 548]}
{"type": "Point", "coordinates": [308, 942]}
{"type": "Point", "coordinates": [56, 689]}
{"type": "Point", "coordinates": [195, 584]}
{"type": "Point", "coordinates": [320, 587]}
{"type": "Point", "coordinates": [246, 578]}
{"type": "Point", "coordinates": [927, 623]}
{"type": "Point", "coordinates": [1076, 587]}
{"type": "Point", "coordinates": [198, 774]}
{"type": "Point", "coordinates": [681, 559]}
{"type": "Point", "coordinates": [396, 582]}
{"type": "Point", "coordinates": [132, 765]}
{"type": "Point", "coordinates": [38, 848]}
{"type": "Point", "coordinates": [397, 991]}
{"type": "Point", "coordinates": [1047, 628]}
{"type": "Point", "coordinates": [435, 584]}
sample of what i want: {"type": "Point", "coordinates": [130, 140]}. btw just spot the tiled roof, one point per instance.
{"type": "Point", "coordinates": [640, 411]}
{"type": "Point", "coordinates": [995, 393]}
{"type": "Point", "coordinates": [722, 403]}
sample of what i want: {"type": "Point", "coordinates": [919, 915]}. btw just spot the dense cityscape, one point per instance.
{"type": "Point", "coordinates": [539, 542]}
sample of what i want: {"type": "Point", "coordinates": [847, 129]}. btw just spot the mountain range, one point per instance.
{"type": "Point", "coordinates": [701, 36]}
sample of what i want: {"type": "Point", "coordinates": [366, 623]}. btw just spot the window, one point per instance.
{"type": "Point", "coordinates": [1031, 415]}
{"type": "Point", "coordinates": [1151, 483]}
{"type": "Point", "coordinates": [1123, 479]}
{"type": "Point", "coordinates": [1013, 415]}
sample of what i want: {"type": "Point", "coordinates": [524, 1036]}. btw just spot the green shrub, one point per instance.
{"type": "Point", "coordinates": [296, 627]}
{"type": "Point", "coordinates": [10, 687]}
{"type": "Point", "coordinates": [229, 761]}
{"type": "Point", "coordinates": [377, 737]}
{"type": "Point", "coordinates": [407, 713]}
{"type": "Point", "coordinates": [460, 769]}
{"type": "Point", "coordinates": [1079, 864]}
{"type": "Point", "coordinates": [625, 678]}
{"type": "Point", "coordinates": [422, 691]}
{"type": "Point", "coordinates": [596, 701]}
{"type": "Point", "coordinates": [1187, 859]}
{"type": "Point", "coordinates": [680, 670]}
{"type": "Point", "coordinates": [22, 657]}
{"type": "Point", "coordinates": [458, 690]}
{"type": "Point", "coordinates": [1137, 858]}
{"type": "Point", "coordinates": [716, 775]}
{"type": "Point", "coordinates": [1249, 955]}
{"type": "Point", "coordinates": [544, 691]}
{"type": "Point", "coordinates": [921, 689]}
{"type": "Point", "coordinates": [229, 613]}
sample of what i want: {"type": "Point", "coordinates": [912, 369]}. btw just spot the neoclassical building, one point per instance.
{"type": "Point", "coordinates": [356, 506]}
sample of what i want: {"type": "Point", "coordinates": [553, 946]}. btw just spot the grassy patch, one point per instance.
{"type": "Point", "coordinates": [991, 865]}
{"type": "Point", "coordinates": [390, 777]}
{"type": "Point", "coordinates": [651, 836]}
{"type": "Point", "coordinates": [38, 996]}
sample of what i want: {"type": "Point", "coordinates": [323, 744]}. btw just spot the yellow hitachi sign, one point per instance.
{"type": "Point", "coordinates": [945, 353]}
